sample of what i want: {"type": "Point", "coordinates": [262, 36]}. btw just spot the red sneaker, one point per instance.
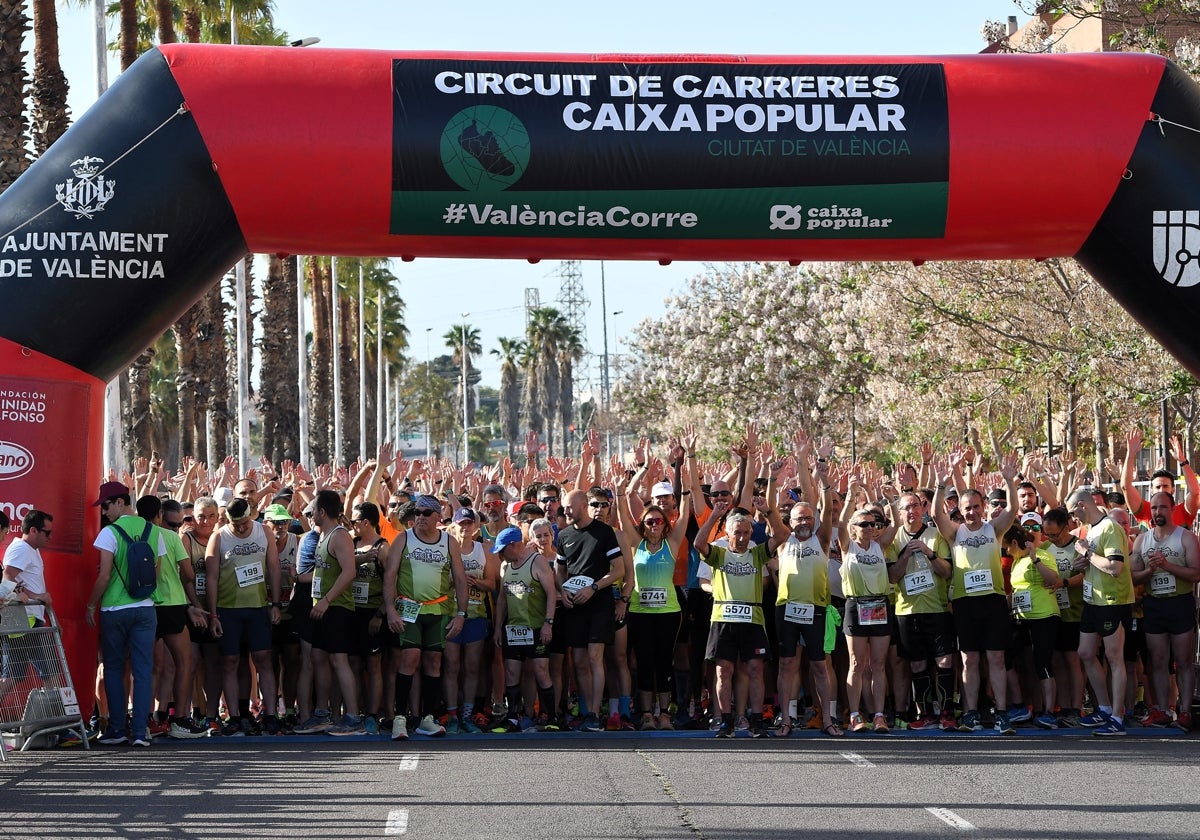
{"type": "Point", "coordinates": [1184, 721]}
{"type": "Point", "coordinates": [613, 724]}
{"type": "Point", "coordinates": [924, 723]}
{"type": "Point", "coordinates": [1158, 719]}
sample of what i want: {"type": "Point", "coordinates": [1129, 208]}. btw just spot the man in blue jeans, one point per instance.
{"type": "Point", "coordinates": [126, 623]}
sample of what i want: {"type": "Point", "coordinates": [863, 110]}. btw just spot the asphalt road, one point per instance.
{"type": "Point", "coordinates": [613, 785]}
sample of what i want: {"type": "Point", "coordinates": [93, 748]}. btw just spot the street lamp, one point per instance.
{"type": "Point", "coordinates": [428, 330]}
{"type": "Point", "coordinates": [462, 352]}
{"type": "Point", "coordinates": [607, 377]}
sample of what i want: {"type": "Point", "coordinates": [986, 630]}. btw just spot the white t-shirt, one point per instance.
{"type": "Point", "coordinates": [28, 561]}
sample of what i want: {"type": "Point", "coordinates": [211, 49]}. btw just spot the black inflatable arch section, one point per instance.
{"type": "Point", "coordinates": [200, 154]}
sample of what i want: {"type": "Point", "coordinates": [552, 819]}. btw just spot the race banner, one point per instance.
{"type": "Point", "coordinates": [688, 151]}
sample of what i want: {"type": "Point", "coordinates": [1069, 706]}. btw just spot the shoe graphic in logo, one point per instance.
{"type": "Point", "coordinates": [786, 217]}
{"type": "Point", "coordinates": [1176, 236]}
{"type": "Point", "coordinates": [485, 148]}
{"type": "Point", "coordinates": [88, 195]}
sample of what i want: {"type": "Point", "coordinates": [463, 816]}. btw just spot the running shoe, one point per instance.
{"type": "Point", "coordinates": [664, 722]}
{"type": "Point", "coordinates": [271, 725]}
{"type": "Point", "coordinates": [141, 741]}
{"type": "Point", "coordinates": [186, 728]}
{"type": "Point", "coordinates": [1141, 711]}
{"type": "Point", "coordinates": [526, 723]}
{"type": "Point", "coordinates": [159, 727]}
{"type": "Point", "coordinates": [1046, 722]}
{"type": "Point", "coordinates": [1184, 721]}
{"type": "Point", "coordinates": [112, 738]}
{"type": "Point", "coordinates": [946, 722]}
{"type": "Point", "coordinates": [742, 724]}
{"type": "Point", "coordinates": [315, 725]}
{"type": "Point", "coordinates": [714, 724]}
{"type": "Point", "coordinates": [1004, 724]}
{"type": "Point", "coordinates": [613, 724]}
{"type": "Point", "coordinates": [399, 729]}
{"type": "Point", "coordinates": [348, 725]}
{"type": "Point", "coordinates": [452, 725]}
{"type": "Point", "coordinates": [648, 722]}
{"type": "Point", "coordinates": [214, 727]}
{"type": "Point", "coordinates": [429, 726]}
{"type": "Point", "coordinates": [1019, 714]}
{"type": "Point", "coordinates": [1157, 718]}
{"type": "Point", "coordinates": [759, 730]}
{"type": "Point", "coordinates": [1112, 727]}
{"type": "Point", "coordinates": [1096, 719]}
{"type": "Point", "coordinates": [970, 722]}
{"type": "Point", "coordinates": [250, 727]}
{"type": "Point", "coordinates": [545, 723]}
{"type": "Point", "coordinates": [371, 725]}
{"type": "Point", "coordinates": [232, 728]}
{"type": "Point", "coordinates": [1068, 720]}
{"type": "Point", "coordinates": [922, 723]}
{"type": "Point", "coordinates": [470, 727]}
{"type": "Point", "coordinates": [724, 730]}
{"type": "Point", "coordinates": [480, 722]}
{"type": "Point", "coordinates": [591, 723]}
{"type": "Point", "coordinates": [881, 724]}
{"type": "Point", "coordinates": [627, 724]}
{"type": "Point", "coordinates": [857, 724]}
{"type": "Point", "coordinates": [505, 727]}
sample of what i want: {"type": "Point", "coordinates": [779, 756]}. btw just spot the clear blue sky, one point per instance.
{"type": "Point", "coordinates": [494, 290]}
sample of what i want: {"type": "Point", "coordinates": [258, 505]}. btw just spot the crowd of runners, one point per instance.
{"type": "Point", "coordinates": [768, 592]}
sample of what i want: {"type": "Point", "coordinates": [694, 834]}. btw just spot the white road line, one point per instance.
{"type": "Point", "coordinates": [856, 759]}
{"type": "Point", "coordinates": [409, 762]}
{"type": "Point", "coordinates": [397, 822]}
{"type": "Point", "coordinates": [951, 819]}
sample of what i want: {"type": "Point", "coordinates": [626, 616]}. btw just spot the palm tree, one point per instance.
{"type": "Point", "coordinates": [454, 340]}
{"type": "Point", "coordinates": [14, 128]}
{"type": "Point", "coordinates": [570, 351]}
{"type": "Point", "coordinates": [510, 353]}
{"type": "Point", "coordinates": [321, 370]}
{"type": "Point", "coordinates": [49, 97]}
{"type": "Point", "coordinates": [278, 392]}
{"type": "Point", "coordinates": [543, 334]}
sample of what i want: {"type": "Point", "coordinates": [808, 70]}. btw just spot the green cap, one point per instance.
{"type": "Point", "coordinates": [277, 513]}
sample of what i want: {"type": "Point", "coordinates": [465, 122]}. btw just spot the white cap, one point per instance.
{"type": "Point", "coordinates": [223, 496]}
{"type": "Point", "coordinates": [663, 488]}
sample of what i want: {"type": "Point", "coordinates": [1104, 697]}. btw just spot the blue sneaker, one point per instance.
{"type": "Point", "coordinates": [591, 723]}
{"type": "Point", "coordinates": [970, 722]}
{"type": "Point", "coordinates": [1112, 727]}
{"type": "Point", "coordinates": [1004, 725]}
{"type": "Point", "coordinates": [1095, 719]}
{"type": "Point", "coordinates": [1046, 722]}
{"type": "Point", "coordinates": [371, 725]}
{"type": "Point", "coordinates": [1019, 714]}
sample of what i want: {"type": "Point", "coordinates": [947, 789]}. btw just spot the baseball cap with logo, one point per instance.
{"type": "Point", "coordinates": [507, 537]}
{"type": "Point", "coordinates": [465, 515]}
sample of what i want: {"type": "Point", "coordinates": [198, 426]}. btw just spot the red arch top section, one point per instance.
{"type": "Point", "coordinates": [302, 141]}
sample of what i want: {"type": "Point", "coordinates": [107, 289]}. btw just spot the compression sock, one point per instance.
{"type": "Point", "coordinates": [921, 684]}
{"type": "Point", "coordinates": [403, 690]}
{"type": "Point", "coordinates": [546, 701]}
{"type": "Point", "coordinates": [431, 694]}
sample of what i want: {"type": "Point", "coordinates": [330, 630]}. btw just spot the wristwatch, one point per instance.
{"type": "Point", "coordinates": [595, 588]}
{"type": "Point", "coordinates": [461, 614]}
{"type": "Point", "coordinates": [549, 621]}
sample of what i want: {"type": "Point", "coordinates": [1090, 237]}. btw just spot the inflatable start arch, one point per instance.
{"type": "Point", "coordinates": [200, 154]}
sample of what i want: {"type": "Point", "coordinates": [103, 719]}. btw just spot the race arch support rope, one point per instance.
{"type": "Point", "coordinates": [201, 153]}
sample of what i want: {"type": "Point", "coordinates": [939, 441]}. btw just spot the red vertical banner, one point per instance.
{"type": "Point", "coordinates": [51, 427]}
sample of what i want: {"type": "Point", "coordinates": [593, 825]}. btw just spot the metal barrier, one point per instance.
{"type": "Point", "coordinates": [37, 697]}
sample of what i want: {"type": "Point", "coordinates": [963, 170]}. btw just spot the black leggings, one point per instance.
{"type": "Point", "coordinates": [1043, 637]}
{"type": "Point", "coordinates": [653, 636]}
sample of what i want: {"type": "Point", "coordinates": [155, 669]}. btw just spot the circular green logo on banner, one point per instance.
{"type": "Point", "coordinates": [485, 148]}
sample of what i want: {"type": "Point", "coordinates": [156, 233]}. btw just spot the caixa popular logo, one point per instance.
{"type": "Point", "coordinates": [15, 460]}
{"type": "Point", "coordinates": [86, 196]}
{"type": "Point", "coordinates": [1176, 238]}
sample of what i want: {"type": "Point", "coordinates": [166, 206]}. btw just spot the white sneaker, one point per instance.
{"type": "Point", "coordinates": [429, 726]}
{"type": "Point", "coordinates": [399, 730]}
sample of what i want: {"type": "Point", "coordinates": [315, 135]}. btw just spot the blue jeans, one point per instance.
{"type": "Point", "coordinates": [129, 629]}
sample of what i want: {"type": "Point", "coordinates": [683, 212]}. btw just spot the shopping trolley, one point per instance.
{"type": "Point", "coordinates": [37, 698]}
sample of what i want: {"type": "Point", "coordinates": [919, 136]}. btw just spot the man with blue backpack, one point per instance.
{"type": "Point", "coordinates": [130, 548]}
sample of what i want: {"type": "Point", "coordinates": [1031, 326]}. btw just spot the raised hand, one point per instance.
{"type": "Point", "coordinates": [689, 439]}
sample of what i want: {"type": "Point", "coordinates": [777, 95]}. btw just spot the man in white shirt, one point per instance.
{"type": "Point", "coordinates": [23, 567]}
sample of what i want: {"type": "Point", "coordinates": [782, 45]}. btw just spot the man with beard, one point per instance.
{"type": "Point", "coordinates": [494, 507]}
{"type": "Point", "coordinates": [1166, 560]}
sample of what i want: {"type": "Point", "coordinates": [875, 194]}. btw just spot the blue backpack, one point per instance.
{"type": "Point", "coordinates": [141, 577]}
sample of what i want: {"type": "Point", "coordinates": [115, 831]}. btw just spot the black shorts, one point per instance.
{"type": "Point", "coordinates": [734, 642]}
{"type": "Point", "coordinates": [1135, 640]}
{"type": "Point", "coordinates": [366, 642]}
{"type": "Point", "coordinates": [925, 635]}
{"type": "Point", "coordinates": [1104, 619]}
{"type": "Point", "coordinates": [1175, 616]}
{"type": "Point", "coordinates": [299, 608]}
{"type": "Point", "coordinates": [792, 634]}
{"type": "Point", "coordinates": [521, 653]}
{"type": "Point", "coordinates": [244, 629]}
{"type": "Point", "coordinates": [335, 631]}
{"type": "Point", "coordinates": [284, 633]}
{"type": "Point", "coordinates": [852, 622]}
{"type": "Point", "coordinates": [172, 620]}
{"type": "Point", "coordinates": [685, 628]}
{"type": "Point", "coordinates": [593, 623]}
{"type": "Point", "coordinates": [982, 623]}
{"type": "Point", "coordinates": [1067, 640]}
{"type": "Point", "coordinates": [558, 641]}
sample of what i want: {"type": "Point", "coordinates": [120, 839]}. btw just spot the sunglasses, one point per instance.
{"type": "Point", "coordinates": [1033, 527]}
{"type": "Point", "coordinates": [865, 524]}
{"type": "Point", "coordinates": [394, 505]}
{"type": "Point", "coordinates": [548, 500]}
{"type": "Point", "coordinates": [497, 503]}
{"type": "Point", "coordinates": [650, 523]}
{"type": "Point", "coordinates": [597, 504]}
{"type": "Point", "coordinates": [46, 531]}
{"type": "Point", "coordinates": [998, 503]}
{"type": "Point", "coordinates": [174, 526]}
{"type": "Point", "coordinates": [427, 512]}
{"type": "Point", "coordinates": [189, 519]}
{"type": "Point", "coordinates": [720, 494]}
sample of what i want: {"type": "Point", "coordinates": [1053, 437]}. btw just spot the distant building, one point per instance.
{"type": "Point", "coordinates": [1125, 27]}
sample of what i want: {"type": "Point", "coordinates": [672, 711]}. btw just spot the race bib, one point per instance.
{"type": "Point", "coordinates": [518, 634]}
{"type": "Point", "coordinates": [409, 609]}
{"type": "Point", "coordinates": [1162, 583]}
{"type": "Point", "coordinates": [474, 596]}
{"type": "Point", "coordinates": [250, 574]}
{"type": "Point", "coordinates": [201, 583]}
{"type": "Point", "coordinates": [872, 612]}
{"type": "Point", "coordinates": [316, 586]}
{"type": "Point", "coordinates": [798, 613]}
{"type": "Point", "coordinates": [737, 613]}
{"type": "Point", "coordinates": [977, 580]}
{"type": "Point", "coordinates": [1063, 597]}
{"type": "Point", "coordinates": [1022, 601]}
{"type": "Point", "coordinates": [361, 588]}
{"type": "Point", "coordinates": [652, 597]}
{"type": "Point", "coordinates": [917, 582]}
{"type": "Point", "coordinates": [576, 583]}
{"type": "Point", "coordinates": [1087, 591]}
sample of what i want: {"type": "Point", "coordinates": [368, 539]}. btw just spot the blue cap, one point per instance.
{"type": "Point", "coordinates": [507, 537]}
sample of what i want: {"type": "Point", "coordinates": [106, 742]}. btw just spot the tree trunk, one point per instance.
{"type": "Point", "coordinates": [49, 101]}
{"type": "Point", "coordinates": [349, 350]}
{"type": "Point", "coordinates": [191, 24]}
{"type": "Point", "coordinates": [128, 38]}
{"type": "Point", "coordinates": [165, 12]}
{"type": "Point", "coordinates": [1100, 413]}
{"type": "Point", "coordinates": [14, 158]}
{"type": "Point", "coordinates": [215, 387]}
{"type": "Point", "coordinates": [140, 436]}
{"type": "Point", "coordinates": [1071, 431]}
{"type": "Point", "coordinates": [321, 370]}
{"type": "Point", "coordinates": [277, 393]}
{"type": "Point", "coordinates": [185, 380]}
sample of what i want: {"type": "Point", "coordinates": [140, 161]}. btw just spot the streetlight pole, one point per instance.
{"type": "Point", "coordinates": [605, 393]}
{"type": "Point", "coordinates": [302, 363]}
{"type": "Point", "coordinates": [616, 357]}
{"type": "Point", "coordinates": [428, 373]}
{"type": "Point", "coordinates": [462, 352]}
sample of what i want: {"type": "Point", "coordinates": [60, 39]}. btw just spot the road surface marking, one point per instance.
{"type": "Point", "coordinates": [951, 819]}
{"type": "Point", "coordinates": [397, 822]}
{"type": "Point", "coordinates": [409, 762]}
{"type": "Point", "coordinates": [856, 759]}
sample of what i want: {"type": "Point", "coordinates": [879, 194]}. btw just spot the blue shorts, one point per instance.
{"type": "Point", "coordinates": [474, 630]}
{"type": "Point", "coordinates": [244, 628]}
